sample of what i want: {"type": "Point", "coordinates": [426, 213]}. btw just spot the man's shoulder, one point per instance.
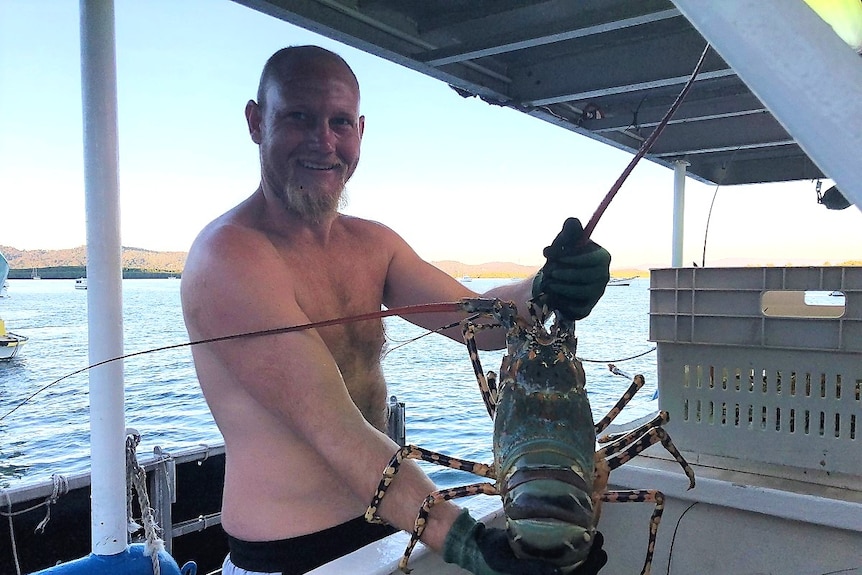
{"type": "Point", "coordinates": [241, 222]}
{"type": "Point", "coordinates": [368, 229]}
{"type": "Point", "coordinates": [228, 245]}
{"type": "Point", "coordinates": [225, 237]}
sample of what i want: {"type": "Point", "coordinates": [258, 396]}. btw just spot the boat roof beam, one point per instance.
{"type": "Point", "coordinates": [538, 37]}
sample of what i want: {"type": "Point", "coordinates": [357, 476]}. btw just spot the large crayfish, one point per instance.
{"type": "Point", "coordinates": [545, 468]}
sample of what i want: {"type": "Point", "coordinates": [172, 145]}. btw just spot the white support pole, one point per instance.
{"type": "Point", "coordinates": [679, 167]}
{"type": "Point", "coordinates": [808, 77]}
{"type": "Point", "coordinates": [104, 277]}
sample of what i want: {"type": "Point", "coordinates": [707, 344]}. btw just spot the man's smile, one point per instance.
{"type": "Point", "coordinates": [310, 165]}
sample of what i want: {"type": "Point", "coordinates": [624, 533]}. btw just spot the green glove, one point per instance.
{"type": "Point", "coordinates": [486, 551]}
{"type": "Point", "coordinates": [574, 277]}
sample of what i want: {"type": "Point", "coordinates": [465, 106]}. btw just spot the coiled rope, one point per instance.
{"type": "Point", "coordinates": [136, 477]}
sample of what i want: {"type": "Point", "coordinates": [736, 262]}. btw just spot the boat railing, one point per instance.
{"type": "Point", "coordinates": [48, 521]}
{"type": "Point", "coordinates": [161, 469]}
{"type": "Point", "coordinates": [184, 489]}
{"type": "Point", "coordinates": [162, 486]}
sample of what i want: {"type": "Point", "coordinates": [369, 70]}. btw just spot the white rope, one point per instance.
{"type": "Point", "coordinates": [12, 534]}
{"type": "Point", "coordinates": [154, 544]}
{"type": "Point", "coordinates": [61, 487]}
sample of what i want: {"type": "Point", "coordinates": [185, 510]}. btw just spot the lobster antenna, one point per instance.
{"type": "Point", "coordinates": [405, 310]}
{"type": "Point", "coordinates": [427, 333]}
{"type": "Point", "coordinates": [645, 147]}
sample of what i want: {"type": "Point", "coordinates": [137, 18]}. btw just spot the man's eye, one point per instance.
{"type": "Point", "coordinates": [298, 116]}
{"type": "Point", "coordinates": [342, 122]}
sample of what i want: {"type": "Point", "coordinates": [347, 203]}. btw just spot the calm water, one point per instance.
{"type": "Point", "coordinates": [433, 376]}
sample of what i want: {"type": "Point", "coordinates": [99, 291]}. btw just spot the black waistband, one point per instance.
{"type": "Point", "coordinates": [301, 554]}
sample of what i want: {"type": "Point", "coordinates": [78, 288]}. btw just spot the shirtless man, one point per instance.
{"type": "Point", "coordinates": [303, 414]}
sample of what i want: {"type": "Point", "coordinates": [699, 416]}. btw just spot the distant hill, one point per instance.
{"type": "Point", "coordinates": [486, 270]}
{"type": "Point", "coordinates": [138, 262]}
{"type": "Point", "coordinates": [72, 262]}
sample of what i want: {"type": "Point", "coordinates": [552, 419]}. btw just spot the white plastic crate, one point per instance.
{"type": "Point", "coordinates": [748, 370]}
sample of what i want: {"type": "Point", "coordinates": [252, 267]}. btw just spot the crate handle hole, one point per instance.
{"type": "Point", "coordinates": [804, 304]}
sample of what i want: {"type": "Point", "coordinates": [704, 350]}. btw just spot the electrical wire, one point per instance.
{"type": "Point", "coordinates": [712, 204]}
{"type": "Point", "coordinates": [673, 537]}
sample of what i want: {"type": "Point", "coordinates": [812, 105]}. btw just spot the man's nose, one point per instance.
{"type": "Point", "coordinates": [322, 137]}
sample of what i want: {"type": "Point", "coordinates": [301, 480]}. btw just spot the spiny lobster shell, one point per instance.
{"type": "Point", "coordinates": [544, 446]}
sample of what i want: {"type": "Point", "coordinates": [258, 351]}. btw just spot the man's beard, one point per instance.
{"type": "Point", "coordinates": [312, 204]}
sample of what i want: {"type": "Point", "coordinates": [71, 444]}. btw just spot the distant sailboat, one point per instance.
{"type": "Point", "coordinates": [4, 272]}
{"type": "Point", "coordinates": [35, 274]}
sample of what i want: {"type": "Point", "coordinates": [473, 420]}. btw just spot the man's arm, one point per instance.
{"type": "Point", "coordinates": [571, 281]}
{"type": "Point", "coordinates": [411, 281]}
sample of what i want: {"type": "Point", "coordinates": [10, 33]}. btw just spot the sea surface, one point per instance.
{"type": "Point", "coordinates": [48, 433]}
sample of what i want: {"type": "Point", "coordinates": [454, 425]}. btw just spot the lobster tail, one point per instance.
{"type": "Point", "coordinates": [549, 514]}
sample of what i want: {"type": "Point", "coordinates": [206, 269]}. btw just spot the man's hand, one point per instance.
{"type": "Point", "coordinates": [574, 276]}
{"type": "Point", "coordinates": [486, 551]}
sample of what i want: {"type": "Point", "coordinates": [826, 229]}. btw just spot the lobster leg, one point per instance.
{"type": "Point", "coordinates": [660, 419]}
{"type": "Point", "coordinates": [633, 443]}
{"type": "Point", "coordinates": [642, 496]}
{"type": "Point", "coordinates": [434, 498]}
{"type": "Point", "coordinates": [637, 382]}
{"type": "Point", "coordinates": [622, 450]}
{"type": "Point", "coordinates": [414, 452]}
{"type": "Point", "coordinates": [487, 384]}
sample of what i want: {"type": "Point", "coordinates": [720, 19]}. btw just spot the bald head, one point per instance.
{"type": "Point", "coordinates": [298, 61]}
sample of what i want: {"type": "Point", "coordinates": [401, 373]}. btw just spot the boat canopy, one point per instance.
{"type": "Point", "coordinates": [610, 69]}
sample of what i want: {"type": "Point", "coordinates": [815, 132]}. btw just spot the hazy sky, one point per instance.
{"type": "Point", "coordinates": [458, 179]}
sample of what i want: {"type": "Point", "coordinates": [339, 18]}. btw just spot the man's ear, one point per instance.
{"type": "Point", "coordinates": [252, 118]}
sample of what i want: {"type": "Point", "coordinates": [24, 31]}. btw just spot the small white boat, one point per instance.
{"type": "Point", "coordinates": [34, 275]}
{"type": "Point", "coordinates": [10, 343]}
{"type": "Point", "coordinates": [81, 283]}
{"type": "Point", "coordinates": [620, 281]}
{"type": "Point", "coordinates": [465, 279]}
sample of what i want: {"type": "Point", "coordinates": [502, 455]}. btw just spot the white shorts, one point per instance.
{"type": "Point", "coordinates": [229, 568]}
